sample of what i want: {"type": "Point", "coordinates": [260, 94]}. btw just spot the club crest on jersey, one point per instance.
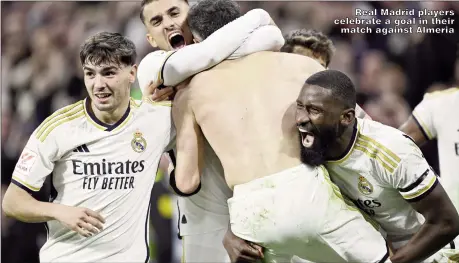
{"type": "Point", "coordinates": [364, 186]}
{"type": "Point", "coordinates": [139, 144]}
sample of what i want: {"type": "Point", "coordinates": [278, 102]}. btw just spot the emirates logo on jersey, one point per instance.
{"type": "Point", "coordinates": [139, 144]}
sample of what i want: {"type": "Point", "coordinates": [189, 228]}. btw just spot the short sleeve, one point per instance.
{"type": "Point", "coordinates": [35, 163]}
{"type": "Point", "coordinates": [423, 115]}
{"type": "Point", "coordinates": [150, 68]}
{"type": "Point", "coordinates": [414, 178]}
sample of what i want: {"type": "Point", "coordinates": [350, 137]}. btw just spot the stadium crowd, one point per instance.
{"type": "Point", "coordinates": [41, 73]}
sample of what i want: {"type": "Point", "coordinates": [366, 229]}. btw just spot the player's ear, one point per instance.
{"type": "Point", "coordinates": [347, 116]}
{"type": "Point", "coordinates": [133, 73]}
{"type": "Point", "coordinates": [151, 40]}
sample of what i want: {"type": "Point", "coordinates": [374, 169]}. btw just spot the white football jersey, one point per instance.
{"type": "Point", "coordinates": [110, 169]}
{"type": "Point", "coordinates": [382, 172]}
{"type": "Point", "coordinates": [436, 117]}
{"type": "Point", "coordinates": [206, 210]}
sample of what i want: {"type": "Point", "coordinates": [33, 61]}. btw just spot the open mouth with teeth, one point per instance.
{"type": "Point", "coordinates": [307, 138]}
{"type": "Point", "coordinates": [177, 41]}
{"type": "Point", "coordinates": [103, 96]}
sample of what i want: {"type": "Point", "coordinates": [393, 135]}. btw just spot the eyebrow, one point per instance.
{"type": "Point", "coordinates": [172, 9]}
{"type": "Point", "coordinates": [103, 69]}
{"type": "Point", "coordinates": [156, 17]}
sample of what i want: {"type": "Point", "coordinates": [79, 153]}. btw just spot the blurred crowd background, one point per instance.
{"type": "Point", "coordinates": [41, 73]}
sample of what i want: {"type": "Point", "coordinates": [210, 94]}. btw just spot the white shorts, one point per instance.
{"type": "Point", "coordinates": [299, 212]}
{"type": "Point", "coordinates": [206, 247]}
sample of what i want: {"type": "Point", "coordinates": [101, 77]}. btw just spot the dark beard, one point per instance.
{"type": "Point", "coordinates": [316, 155]}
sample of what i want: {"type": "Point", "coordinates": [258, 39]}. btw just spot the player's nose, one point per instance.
{"type": "Point", "coordinates": [99, 82]}
{"type": "Point", "coordinates": [168, 23]}
{"type": "Point", "coordinates": [302, 118]}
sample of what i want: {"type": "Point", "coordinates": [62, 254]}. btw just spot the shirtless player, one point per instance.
{"type": "Point", "coordinates": [244, 118]}
{"type": "Point", "coordinates": [203, 217]}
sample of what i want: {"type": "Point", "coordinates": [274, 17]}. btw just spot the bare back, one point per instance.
{"type": "Point", "coordinates": [246, 110]}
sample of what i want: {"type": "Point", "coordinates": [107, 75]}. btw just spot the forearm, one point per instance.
{"type": "Point", "coordinates": [265, 38]}
{"type": "Point", "coordinates": [428, 240]}
{"type": "Point", "coordinates": [198, 57]}
{"type": "Point", "coordinates": [25, 208]}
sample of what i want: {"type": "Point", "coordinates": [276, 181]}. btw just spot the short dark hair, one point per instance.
{"type": "Point", "coordinates": [317, 42]}
{"type": "Point", "coordinates": [107, 48]}
{"type": "Point", "coordinates": [207, 16]}
{"type": "Point", "coordinates": [142, 7]}
{"type": "Point", "coordinates": [339, 83]}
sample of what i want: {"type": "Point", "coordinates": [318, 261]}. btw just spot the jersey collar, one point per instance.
{"type": "Point", "coordinates": [101, 125]}
{"type": "Point", "coordinates": [348, 150]}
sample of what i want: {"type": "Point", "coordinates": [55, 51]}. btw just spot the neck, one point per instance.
{"type": "Point", "coordinates": [110, 117]}
{"type": "Point", "coordinates": [341, 145]}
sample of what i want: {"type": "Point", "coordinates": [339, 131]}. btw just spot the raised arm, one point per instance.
{"type": "Point", "coordinates": [195, 58]}
{"type": "Point", "coordinates": [265, 38]}
{"type": "Point", "coordinates": [250, 33]}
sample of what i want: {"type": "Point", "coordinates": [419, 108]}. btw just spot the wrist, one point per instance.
{"type": "Point", "coordinates": [398, 257]}
{"type": "Point", "coordinates": [50, 210]}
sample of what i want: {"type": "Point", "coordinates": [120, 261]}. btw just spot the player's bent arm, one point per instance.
{"type": "Point", "coordinates": [419, 186]}
{"type": "Point", "coordinates": [34, 164]}
{"type": "Point", "coordinates": [189, 142]}
{"type": "Point", "coordinates": [265, 38]}
{"type": "Point", "coordinates": [441, 226]}
{"type": "Point", "coordinates": [412, 129]}
{"type": "Point", "coordinates": [195, 58]}
{"type": "Point", "coordinates": [247, 34]}
{"type": "Point", "coordinates": [19, 204]}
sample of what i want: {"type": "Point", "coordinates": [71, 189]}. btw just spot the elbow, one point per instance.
{"type": "Point", "coordinates": [455, 226]}
{"type": "Point", "coordinates": [453, 223]}
{"type": "Point", "coordinates": [185, 186]}
{"type": "Point", "coordinates": [452, 231]}
{"type": "Point", "coordinates": [278, 45]}
{"type": "Point", "coordinates": [188, 186]}
{"type": "Point", "coordinates": [449, 225]}
{"type": "Point", "coordinates": [264, 16]}
{"type": "Point", "coordinates": [12, 205]}
{"type": "Point", "coordinates": [279, 39]}
{"type": "Point", "coordinates": [8, 207]}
